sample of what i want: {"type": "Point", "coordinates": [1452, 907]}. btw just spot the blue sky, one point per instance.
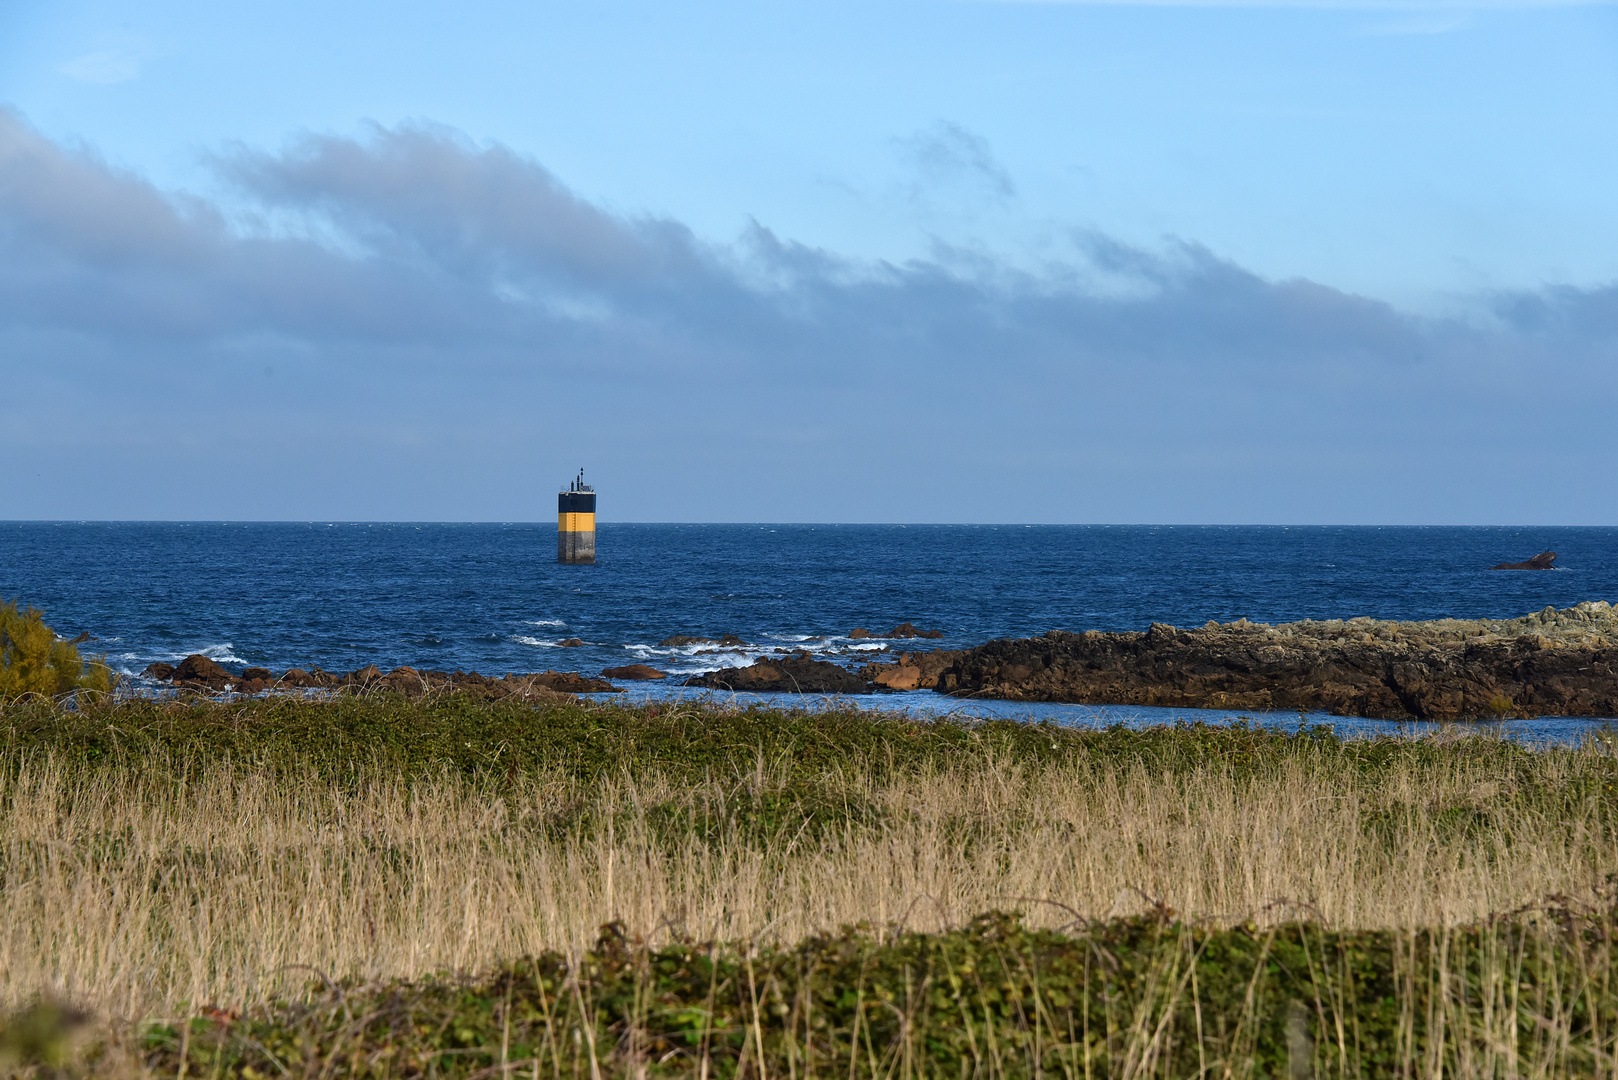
{"type": "Point", "coordinates": [938, 260]}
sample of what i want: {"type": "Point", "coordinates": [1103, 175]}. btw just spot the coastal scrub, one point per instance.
{"type": "Point", "coordinates": [34, 661]}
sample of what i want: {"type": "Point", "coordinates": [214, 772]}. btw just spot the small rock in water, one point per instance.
{"type": "Point", "coordinates": [908, 630]}
{"type": "Point", "coordinates": [1542, 561]}
{"type": "Point", "coordinates": [634, 673]}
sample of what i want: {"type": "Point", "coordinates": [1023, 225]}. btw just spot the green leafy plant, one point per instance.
{"type": "Point", "coordinates": [1531, 994]}
{"type": "Point", "coordinates": [33, 660]}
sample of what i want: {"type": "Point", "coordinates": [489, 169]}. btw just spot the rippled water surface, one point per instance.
{"type": "Point", "coordinates": [491, 598]}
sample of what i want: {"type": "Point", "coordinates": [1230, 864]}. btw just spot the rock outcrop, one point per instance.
{"type": "Point", "coordinates": [795, 674]}
{"type": "Point", "coordinates": [1552, 663]}
{"type": "Point", "coordinates": [913, 671]}
{"type": "Point", "coordinates": [1542, 561]}
{"type": "Point", "coordinates": [200, 673]}
{"type": "Point", "coordinates": [634, 673]}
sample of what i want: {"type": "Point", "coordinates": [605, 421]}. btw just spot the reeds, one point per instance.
{"type": "Point", "coordinates": [144, 872]}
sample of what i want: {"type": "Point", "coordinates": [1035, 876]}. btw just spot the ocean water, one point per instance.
{"type": "Point", "coordinates": [491, 598]}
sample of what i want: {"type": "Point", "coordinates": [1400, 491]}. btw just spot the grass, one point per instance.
{"type": "Point", "coordinates": [365, 877]}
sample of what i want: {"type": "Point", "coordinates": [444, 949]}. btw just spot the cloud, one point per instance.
{"type": "Point", "coordinates": [411, 324]}
{"type": "Point", "coordinates": [115, 64]}
{"type": "Point", "coordinates": [1420, 24]}
{"type": "Point", "coordinates": [947, 156]}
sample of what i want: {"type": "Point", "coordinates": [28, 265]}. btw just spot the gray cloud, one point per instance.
{"type": "Point", "coordinates": [414, 325]}
{"type": "Point", "coordinates": [948, 157]}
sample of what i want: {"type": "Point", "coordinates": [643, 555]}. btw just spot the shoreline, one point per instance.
{"type": "Point", "coordinates": [1551, 663]}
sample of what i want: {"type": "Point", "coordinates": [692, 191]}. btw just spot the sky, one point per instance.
{"type": "Point", "coordinates": [942, 260]}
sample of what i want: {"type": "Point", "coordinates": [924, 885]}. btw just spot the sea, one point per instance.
{"type": "Point", "coordinates": [491, 597]}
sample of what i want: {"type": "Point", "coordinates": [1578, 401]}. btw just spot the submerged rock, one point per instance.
{"type": "Point", "coordinates": [1542, 561]}
{"type": "Point", "coordinates": [1551, 663]}
{"type": "Point", "coordinates": [903, 630]}
{"type": "Point", "coordinates": [908, 630]}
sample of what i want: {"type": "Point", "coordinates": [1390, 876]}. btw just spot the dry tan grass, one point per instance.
{"type": "Point", "coordinates": [134, 894]}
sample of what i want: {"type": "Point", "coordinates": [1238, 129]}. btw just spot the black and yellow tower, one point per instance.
{"type": "Point", "coordinates": [576, 523]}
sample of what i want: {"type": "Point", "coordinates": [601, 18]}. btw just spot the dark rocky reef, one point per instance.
{"type": "Point", "coordinates": [795, 674]}
{"type": "Point", "coordinates": [1551, 663]}
{"type": "Point", "coordinates": [202, 674]}
{"type": "Point", "coordinates": [729, 641]}
{"type": "Point", "coordinates": [1542, 561]}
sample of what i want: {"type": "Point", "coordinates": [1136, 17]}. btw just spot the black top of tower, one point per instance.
{"type": "Point", "coordinates": [579, 498]}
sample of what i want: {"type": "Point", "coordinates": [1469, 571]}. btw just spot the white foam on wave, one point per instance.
{"type": "Point", "coordinates": [538, 643]}
{"type": "Point", "coordinates": [220, 654]}
{"type": "Point", "coordinates": [733, 660]}
{"type": "Point", "coordinates": [683, 651]}
{"type": "Point", "coordinates": [546, 622]}
{"type": "Point", "coordinates": [697, 658]}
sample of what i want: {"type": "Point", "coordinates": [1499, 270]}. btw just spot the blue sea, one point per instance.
{"type": "Point", "coordinates": [491, 597]}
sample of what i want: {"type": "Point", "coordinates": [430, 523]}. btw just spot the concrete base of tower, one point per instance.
{"type": "Point", "coordinates": [576, 547]}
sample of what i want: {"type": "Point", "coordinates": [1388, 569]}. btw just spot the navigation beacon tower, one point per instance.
{"type": "Point", "coordinates": [576, 523]}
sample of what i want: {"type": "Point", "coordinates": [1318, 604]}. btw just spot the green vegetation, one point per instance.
{"type": "Point", "coordinates": [1138, 997]}
{"type": "Point", "coordinates": [33, 661]}
{"type": "Point", "coordinates": [502, 741]}
{"type": "Point", "coordinates": [365, 886]}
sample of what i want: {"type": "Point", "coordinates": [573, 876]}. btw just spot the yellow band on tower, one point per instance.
{"type": "Point", "coordinates": [576, 522]}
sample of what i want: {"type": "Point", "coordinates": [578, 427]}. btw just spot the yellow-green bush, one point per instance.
{"type": "Point", "coordinates": [34, 661]}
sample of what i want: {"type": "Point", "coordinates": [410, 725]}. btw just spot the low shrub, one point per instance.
{"type": "Point", "coordinates": [1532, 994]}
{"type": "Point", "coordinates": [34, 661]}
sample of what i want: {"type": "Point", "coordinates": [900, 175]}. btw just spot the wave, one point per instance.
{"type": "Point", "coordinates": [220, 654]}
{"type": "Point", "coordinates": [546, 622]}
{"type": "Point", "coordinates": [133, 663]}
{"type": "Point", "coordinates": [696, 658]}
